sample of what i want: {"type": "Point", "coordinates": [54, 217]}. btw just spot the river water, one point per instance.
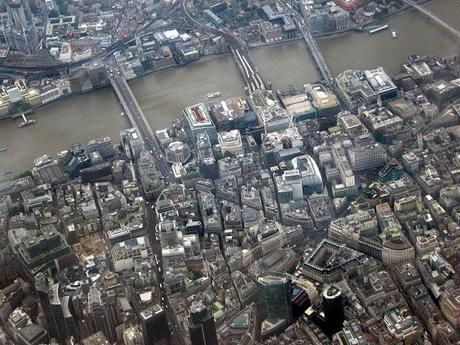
{"type": "Point", "coordinates": [416, 33]}
{"type": "Point", "coordinates": [164, 94]}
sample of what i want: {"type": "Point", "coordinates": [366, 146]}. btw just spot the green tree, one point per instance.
{"type": "Point", "coordinates": [24, 174]}
{"type": "Point", "coordinates": [53, 14]}
{"type": "Point", "coordinates": [15, 210]}
{"type": "Point", "coordinates": [62, 5]}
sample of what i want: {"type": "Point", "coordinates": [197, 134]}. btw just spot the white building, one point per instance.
{"type": "Point", "coordinates": [199, 121]}
{"type": "Point", "coordinates": [230, 142]}
{"type": "Point", "coordinates": [125, 253]}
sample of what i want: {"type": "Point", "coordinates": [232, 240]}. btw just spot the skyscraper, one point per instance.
{"type": "Point", "coordinates": [201, 325]}
{"type": "Point", "coordinates": [274, 303]}
{"type": "Point", "coordinates": [21, 33]}
{"type": "Point", "coordinates": [52, 308]}
{"type": "Point", "coordinates": [154, 324]}
{"type": "Point", "coordinates": [333, 309]}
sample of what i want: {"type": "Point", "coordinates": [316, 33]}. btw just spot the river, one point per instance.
{"type": "Point", "coordinates": [285, 64]}
{"type": "Point", "coordinates": [163, 95]}
{"type": "Point", "coordinates": [71, 120]}
{"type": "Point", "coordinates": [417, 34]}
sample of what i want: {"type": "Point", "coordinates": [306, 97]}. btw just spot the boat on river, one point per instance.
{"type": "Point", "coordinates": [380, 28]}
{"type": "Point", "coordinates": [214, 94]}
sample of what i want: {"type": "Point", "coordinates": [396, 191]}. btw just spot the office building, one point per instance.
{"type": "Point", "coordinates": [347, 185]}
{"type": "Point", "coordinates": [341, 262]}
{"type": "Point", "coordinates": [53, 316]}
{"type": "Point", "coordinates": [230, 142]}
{"type": "Point", "coordinates": [233, 113]}
{"type": "Point", "coordinates": [365, 87]}
{"type": "Point", "coordinates": [274, 303]}
{"type": "Point", "coordinates": [75, 160]}
{"type": "Point", "coordinates": [102, 145]}
{"type": "Point", "coordinates": [132, 143]}
{"type": "Point", "coordinates": [201, 326]}
{"type": "Point", "coordinates": [367, 156]}
{"type": "Point", "coordinates": [21, 34]}
{"type": "Point", "coordinates": [177, 152]}
{"type": "Point", "coordinates": [150, 180]}
{"type": "Point", "coordinates": [333, 309]}
{"type": "Point", "coordinates": [154, 324]}
{"type": "Point", "coordinates": [199, 121]}
{"type": "Point", "coordinates": [298, 106]}
{"type": "Point", "coordinates": [293, 179]}
{"type": "Point", "coordinates": [32, 334]}
{"type": "Point", "coordinates": [268, 110]}
{"type": "Point", "coordinates": [41, 249]}
{"type": "Point", "coordinates": [309, 172]}
{"type": "Point", "coordinates": [326, 104]}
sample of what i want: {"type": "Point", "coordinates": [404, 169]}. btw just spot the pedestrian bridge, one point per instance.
{"type": "Point", "coordinates": [437, 20]}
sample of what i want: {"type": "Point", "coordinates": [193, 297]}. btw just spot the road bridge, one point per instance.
{"type": "Point", "coordinates": [315, 52]}
{"type": "Point", "coordinates": [137, 118]}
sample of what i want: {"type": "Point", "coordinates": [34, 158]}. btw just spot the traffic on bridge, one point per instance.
{"type": "Point", "coordinates": [138, 119]}
{"type": "Point", "coordinates": [238, 48]}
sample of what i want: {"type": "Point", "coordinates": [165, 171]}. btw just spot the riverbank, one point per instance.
{"type": "Point", "coordinates": [362, 27]}
{"type": "Point", "coordinates": [164, 94]}
{"type": "Point", "coordinates": [274, 43]}
{"type": "Point", "coordinates": [251, 46]}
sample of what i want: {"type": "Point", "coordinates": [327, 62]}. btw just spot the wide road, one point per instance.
{"type": "Point", "coordinates": [136, 114]}
{"type": "Point", "coordinates": [176, 337]}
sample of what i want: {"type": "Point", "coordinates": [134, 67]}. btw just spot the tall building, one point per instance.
{"type": "Point", "coordinates": [333, 309]}
{"type": "Point", "coordinates": [51, 308]}
{"type": "Point", "coordinates": [230, 142]}
{"type": "Point", "coordinates": [201, 326]}
{"type": "Point", "coordinates": [154, 324]}
{"type": "Point", "coordinates": [309, 171]}
{"type": "Point", "coordinates": [102, 145]}
{"type": "Point", "coordinates": [199, 121]}
{"type": "Point", "coordinates": [132, 143]}
{"type": "Point", "coordinates": [133, 336]}
{"type": "Point", "coordinates": [293, 178]}
{"type": "Point", "coordinates": [32, 334]}
{"type": "Point", "coordinates": [274, 303]}
{"type": "Point", "coordinates": [21, 33]}
{"type": "Point", "coordinates": [101, 315]}
{"type": "Point", "coordinates": [326, 104]}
